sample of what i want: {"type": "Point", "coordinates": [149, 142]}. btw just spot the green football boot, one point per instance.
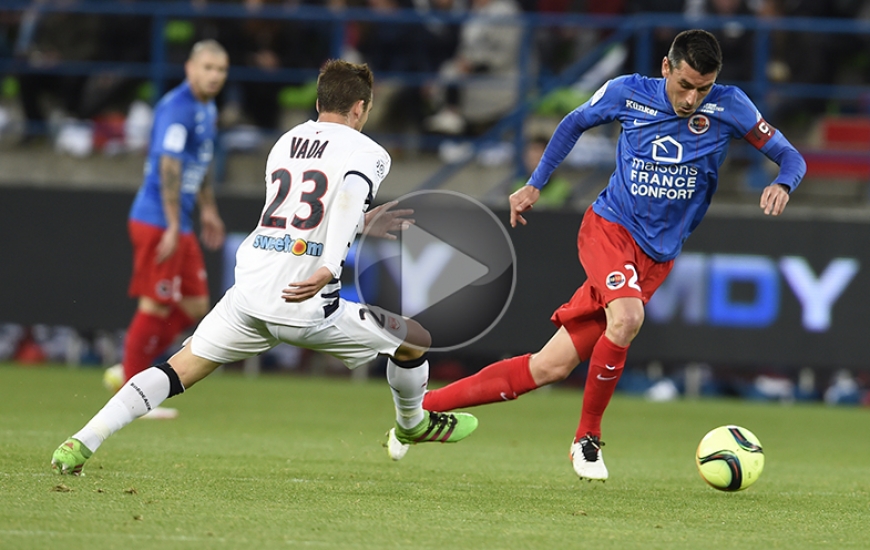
{"type": "Point", "coordinates": [440, 427]}
{"type": "Point", "coordinates": [70, 457]}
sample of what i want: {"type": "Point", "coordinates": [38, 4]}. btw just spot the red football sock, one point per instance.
{"type": "Point", "coordinates": [176, 323]}
{"type": "Point", "coordinates": [501, 381]}
{"type": "Point", "coordinates": [142, 343]}
{"type": "Point", "coordinates": [605, 368]}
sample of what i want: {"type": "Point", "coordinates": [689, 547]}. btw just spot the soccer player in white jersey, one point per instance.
{"type": "Point", "coordinates": [321, 177]}
{"type": "Point", "coordinates": [675, 134]}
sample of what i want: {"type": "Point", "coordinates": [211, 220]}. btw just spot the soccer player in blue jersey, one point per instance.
{"type": "Point", "coordinates": [675, 134]}
{"type": "Point", "coordinates": [169, 276]}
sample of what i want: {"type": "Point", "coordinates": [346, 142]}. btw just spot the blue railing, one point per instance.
{"type": "Point", "coordinates": [635, 30]}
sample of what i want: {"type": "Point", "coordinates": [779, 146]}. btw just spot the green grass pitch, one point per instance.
{"type": "Point", "coordinates": [298, 462]}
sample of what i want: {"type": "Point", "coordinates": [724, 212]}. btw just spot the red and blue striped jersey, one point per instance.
{"type": "Point", "coordinates": [667, 166]}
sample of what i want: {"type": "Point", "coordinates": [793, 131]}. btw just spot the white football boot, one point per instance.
{"type": "Point", "coordinates": [587, 460]}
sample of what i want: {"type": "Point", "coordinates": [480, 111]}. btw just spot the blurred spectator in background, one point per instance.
{"type": "Point", "coordinates": [406, 48]}
{"type": "Point", "coordinates": [662, 36]}
{"type": "Point", "coordinates": [45, 41]}
{"type": "Point", "coordinates": [736, 41]}
{"type": "Point", "coordinates": [560, 46]}
{"type": "Point", "coordinates": [488, 46]}
{"type": "Point", "coordinates": [169, 276]}
{"type": "Point", "coordinates": [810, 57]}
{"type": "Point", "coordinates": [270, 45]}
{"type": "Point", "coordinates": [122, 39]}
{"type": "Point", "coordinates": [439, 37]}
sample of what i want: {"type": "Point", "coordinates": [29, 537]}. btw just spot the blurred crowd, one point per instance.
{"type": "Point", "coordinates": [453, 72]}
{"type": "Point", "coordinates": [44, 344]}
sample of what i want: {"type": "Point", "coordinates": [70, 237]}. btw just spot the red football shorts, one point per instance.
{"type": "Point", "coordinates": [180, 275]}
{"type": "Point", "coordinates": [615, 266]}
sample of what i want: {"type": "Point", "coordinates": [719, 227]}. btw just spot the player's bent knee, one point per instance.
{"type": "Point", "coordinates": [191, 368]}
{"type": "Point", "coordinates": [417, 337]}
{"type": "Point", "coordinates": [407, 354]}
{"type": "Point", "coordinates": [627, 324]}
{"type": "Point", "coordinates": [409, 363]}
{"type": "Point", "coordinates": [175, 385]}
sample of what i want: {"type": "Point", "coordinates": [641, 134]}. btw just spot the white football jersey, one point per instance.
{"type": "Point", "coordinates": [303, 172]}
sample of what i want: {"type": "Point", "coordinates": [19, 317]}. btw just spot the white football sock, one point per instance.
{"type": "Point", "coordinates": [140, 394]}
{"type": "Point", "coordinates": [408, 386]}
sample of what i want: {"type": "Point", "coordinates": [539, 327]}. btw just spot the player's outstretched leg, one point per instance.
{"type": "Point", "coordinates": [139, 395]}
{"type": "Point", "coordinates": [70, 457]}
{"type": "Point", "coordinates": [113, 380]}
{"type": "Point", "coordinates": [586, 458]}
{"type": "Point", "coordinates": [435, 427]}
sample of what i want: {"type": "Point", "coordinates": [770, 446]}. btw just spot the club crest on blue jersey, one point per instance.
{"type": "Point", "coordinates": [615, 280]}
{"type": "Point", "coordinates": [698, 124]}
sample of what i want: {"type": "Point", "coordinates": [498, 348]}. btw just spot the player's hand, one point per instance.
{"type": "Point", "coordinates": [168, 245]}
{"type": "Point", "coordinates": [774, 198]}
{"type": "Point", "coordinates": [303, 290]}
{"type": "Point", "coordinates": [212, 231]}
{"type": "Point", "coordinates": [522, 200]}
{"type": "Point", "coordinates": [381, 221]}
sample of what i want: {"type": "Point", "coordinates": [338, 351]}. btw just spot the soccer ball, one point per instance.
{"type": "Point", "coordinates": [113, 378]}
{"type": "Point", "coordinates": [730, 458]}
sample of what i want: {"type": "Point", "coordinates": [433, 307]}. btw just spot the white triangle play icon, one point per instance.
{"type": "Point", "coordinates": [433, 270]}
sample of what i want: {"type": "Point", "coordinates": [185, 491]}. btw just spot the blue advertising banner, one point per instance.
{"type": "Point", "coordinates": [747, 290]}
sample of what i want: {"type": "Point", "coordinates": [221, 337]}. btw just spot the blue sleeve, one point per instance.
{"type": "Point", "coordinates": [171, 130]}
{"type": "Point", "coordinates": [601, 108]}
{"type": "Point", "coordinates": [751, 126]}
{"type": "Point", "coordinates": [792, 166]}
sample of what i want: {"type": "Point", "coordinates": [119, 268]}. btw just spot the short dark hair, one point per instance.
{"type": "Point", "coordinates": [341, 84]}
{"type": "Point", "coordinates": [207, 45]}
{"type": "Point", "coordinates": [699, 49]}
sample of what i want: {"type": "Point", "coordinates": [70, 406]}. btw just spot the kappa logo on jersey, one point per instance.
{"type": "Point", "coordinates": [615, 280]}
{"type": "Point", "coordinates": [300, 148]}
{"type": "Point", "coordinates": [639, 107]}
{"type": "Point", "coordinates": [381, 168]}
{"type": "Point", "coordinates": [698, 124]}
{"type": "Point", "coordinates": [297, 247]}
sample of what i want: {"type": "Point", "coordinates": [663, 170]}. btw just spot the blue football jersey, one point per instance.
{"type": "Point", "coordinates": [184, 128]}
{"type": "Point", "coordinates": [667, 166]}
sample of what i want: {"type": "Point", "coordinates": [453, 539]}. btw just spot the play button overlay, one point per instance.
{"type": "Point", "coordinates": [453, 271]}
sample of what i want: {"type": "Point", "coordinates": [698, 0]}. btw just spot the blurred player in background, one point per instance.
{"type": "Point", "coordinates": [675, 134]}
{"type": "Point", "coordinates": [169, 276]}
{"type": "Point", "coordinates": [321, 178]}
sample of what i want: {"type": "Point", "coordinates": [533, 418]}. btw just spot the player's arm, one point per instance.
{"type": "Point", "coordinates": [601, 108]}
{"type": "Point", "coordinates": [170, 194]}
{"type": "Point", "coordinates": [344, 218]}
{"type": "Point", "coordinates": [212, 229]}
{"type": "Point", "coordinates": [792, 168]}
{"type": "Point", "coordinates": [382, 222]}
{"type": "Point", "coordinates": [750, 125]}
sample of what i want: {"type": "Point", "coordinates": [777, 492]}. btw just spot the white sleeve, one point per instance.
{"type": "Point", "coordinates": [344, 219]}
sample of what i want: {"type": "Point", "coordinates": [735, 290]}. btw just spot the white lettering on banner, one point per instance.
{"type": "Point", "coordinates": [689, 292]}
{"type": "Point", "coordinates": [818, 294]}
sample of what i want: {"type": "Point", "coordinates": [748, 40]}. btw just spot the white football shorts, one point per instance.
{"type": "Point", "coordinates": [355, 334]}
